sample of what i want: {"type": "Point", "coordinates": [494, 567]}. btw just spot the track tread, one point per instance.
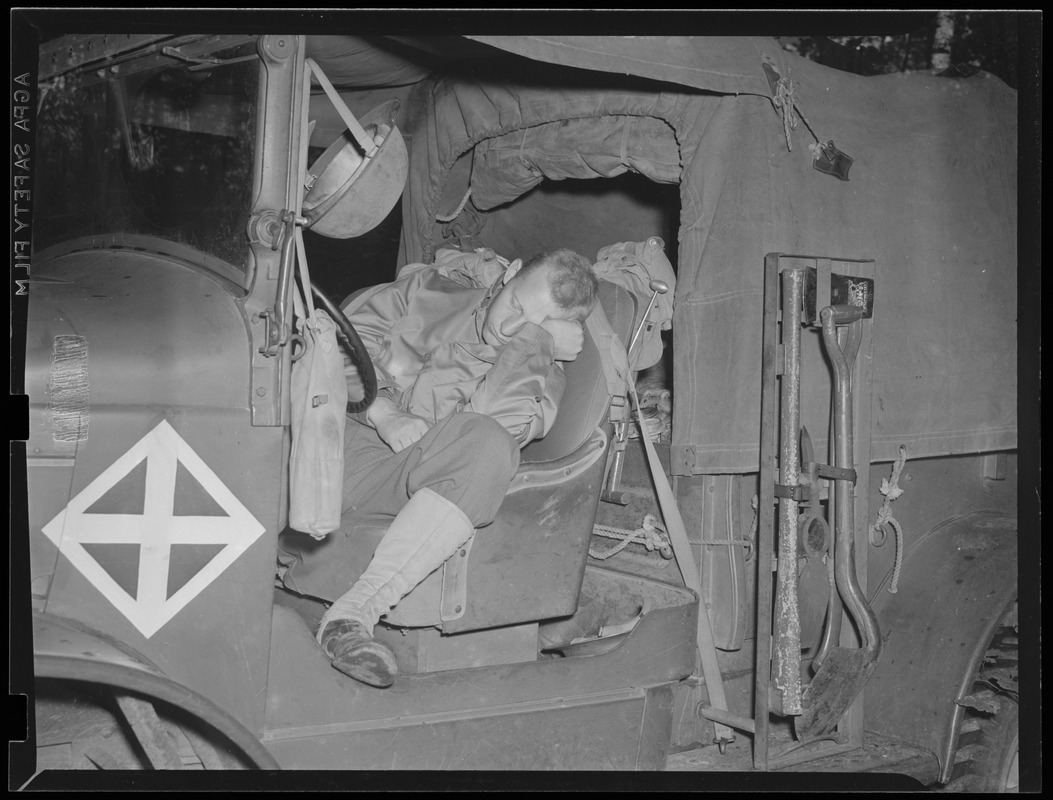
{"type": "Point", "coordinates": [990, 713]}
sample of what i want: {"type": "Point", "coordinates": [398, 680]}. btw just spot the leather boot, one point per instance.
{"type": "Point", "coordinates": [424, 534]}
{"type": "Point", "coordinates": [357, 654]}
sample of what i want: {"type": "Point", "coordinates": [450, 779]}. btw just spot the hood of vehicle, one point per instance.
{"type": "Point", "coordinates": [146, 328]}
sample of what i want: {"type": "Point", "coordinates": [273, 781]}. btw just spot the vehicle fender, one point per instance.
{"type": "Point", "coordinates": [67, 650]}
{"type": "Point", "coordinates": [955, 584]}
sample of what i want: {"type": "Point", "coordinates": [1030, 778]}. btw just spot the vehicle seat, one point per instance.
{"type": "Point", "coordinates": [529, 563]}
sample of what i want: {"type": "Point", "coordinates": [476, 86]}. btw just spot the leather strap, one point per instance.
{"type": "Point", "coordinates": [363, 138]}
{"type": "Point", "coordinates": [674, 525]}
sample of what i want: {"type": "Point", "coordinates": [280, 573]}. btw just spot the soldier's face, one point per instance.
{"type": "Point", "coordinates": [525, 298]}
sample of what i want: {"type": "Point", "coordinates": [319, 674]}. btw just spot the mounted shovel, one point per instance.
{"type": "Point", "coordinates": [844, 671]}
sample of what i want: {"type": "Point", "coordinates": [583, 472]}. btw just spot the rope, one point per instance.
{"type": "Point", "coordinates": [786, 102]}
{"type": "Point", "coordinates": [651, 535]}
{"type": "Point", "coordinates": [752, 535]}
{"type": "Point", "coordinates": [457, 212]}
{"type": "Point", "coordinates": [743, 542]}
{"type": "Point", "coordinates": [890, 490]}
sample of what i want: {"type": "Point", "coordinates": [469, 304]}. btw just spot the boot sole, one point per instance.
{"type": "Point", "coordinates": [370, 668]}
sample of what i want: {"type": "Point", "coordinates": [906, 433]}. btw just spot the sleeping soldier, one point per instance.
{"type": "Point", "coordinates": [466, 377]}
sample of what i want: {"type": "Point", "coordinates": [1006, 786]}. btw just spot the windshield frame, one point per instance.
{"type": "Point", "coordinates": [278, 167]}
{"type": "Point", "coordinates": [110, 55]}
{"type": "Point", "coordinates": [108, 58]}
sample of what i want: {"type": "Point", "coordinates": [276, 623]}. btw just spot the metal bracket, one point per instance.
{"type": "Point", "coordinates": [550, 473]}
{"type": "Point", "coordinates": [612, 492]}
{"type": "Point", "coordinates": [823, 287]}
{"type": "Point", "coordinates": [801, 494]}
{"type": "Point", "coordinates": [831, 473]}
{"type": "Point", "coordinates": [454, 599]}
{"type": "Point", "coordinates": [266, 228]}
{"type": "Point", "coordinates": [994, 467]}
{"type": "Point", "coordinates": [277, 326]}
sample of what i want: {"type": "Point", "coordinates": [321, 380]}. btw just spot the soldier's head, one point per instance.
{"type": "Point", "coordinates": [559, 284]}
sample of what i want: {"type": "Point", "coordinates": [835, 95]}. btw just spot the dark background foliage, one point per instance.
{"type": "Point", "coordinates": [963, 41]}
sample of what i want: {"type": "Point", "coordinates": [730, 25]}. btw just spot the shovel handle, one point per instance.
{"type": "Point", "coordinates": [844, 553]}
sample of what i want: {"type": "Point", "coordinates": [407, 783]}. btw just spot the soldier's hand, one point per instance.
{"type": "Point", "coordinates": [356, 389]}
{"type": "Point", "coordinates": [568, 335]}
{"type": "Point", "coordinates": [402, 430]}
{"type": "Point", "coordinates": [396, 428]}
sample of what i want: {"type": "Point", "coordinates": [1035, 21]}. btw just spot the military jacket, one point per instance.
{"type": "Point", "coordinates": [424, 335]}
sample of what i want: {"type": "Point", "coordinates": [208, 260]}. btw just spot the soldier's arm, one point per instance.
{"type": "Point", "coordinates": [523, 388]}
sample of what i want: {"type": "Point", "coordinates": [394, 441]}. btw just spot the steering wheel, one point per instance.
{"type": "Point", "coordinates": [351, 341]}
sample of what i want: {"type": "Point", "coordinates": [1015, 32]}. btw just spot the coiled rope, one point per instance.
{"type": "Point", "coordinates": [786, 101]}
{"type": "Point", "coordinates": [890, 490]}
{"type": "Point", "coordinates": [651, 535]}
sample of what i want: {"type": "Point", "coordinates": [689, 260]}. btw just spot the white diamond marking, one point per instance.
{"type": "Point", "coordinates": [155, 530]}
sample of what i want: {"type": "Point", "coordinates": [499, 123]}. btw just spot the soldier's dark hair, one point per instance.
{"type": "Point", "coordinates": [571, 280]}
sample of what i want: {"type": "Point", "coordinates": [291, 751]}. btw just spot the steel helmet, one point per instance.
{"type": "Point", "coordinates": [351, 193]}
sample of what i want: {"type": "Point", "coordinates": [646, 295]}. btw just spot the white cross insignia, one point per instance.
{"type": "Point", "coordinates": [145, 596]}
